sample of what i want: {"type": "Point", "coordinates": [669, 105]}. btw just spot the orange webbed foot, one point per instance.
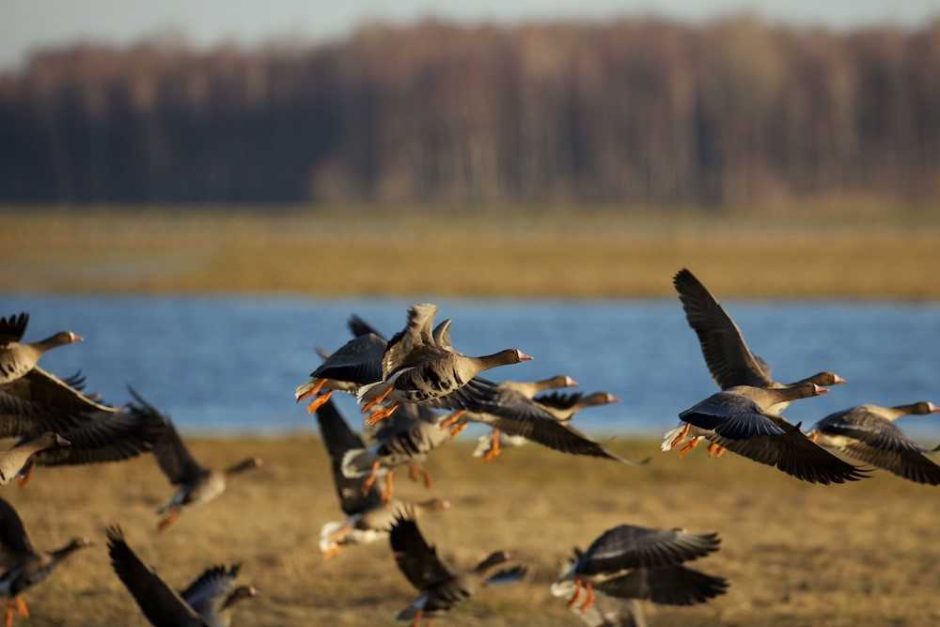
{"type": "Point", "coordinates": [169, 519]}
{"type": "Point", "coordinates": [21, 608]}
{"type": "Point", "coordinates": [689, 447]}
{"type": "Point", "coordinates": [318, 402]}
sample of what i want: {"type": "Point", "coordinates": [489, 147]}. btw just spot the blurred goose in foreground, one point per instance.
{"type": "Point", "coordinates": [18, 357]}
{"type": "Point", "coordinates": [740, 419]}
{"type": "Point", "coordinates": [24, 566]}
{"type": "Point", "coordinates": [868, 433]}
{"type": "Point", "coordinates": [441, 587]}
{"type": "Point", "coordinates": [197, 484]}
{"type": "Point", "coordinates": [108, 436]}
{"type": "Point", "coordinates": [631, 562]}
{"type": "Point", "coordinates": [729, 360]}
{"type": "Point", "coordinates": [407, 438]}
{"type": "Point", "coordinates": [508, 411]}
{"type": "Point", "coordinates": [489, 445]}
{"type": "Point", "coordinates": [368, 519]}
{"type": "Point", "coordinates": [206, 602]}
{"type": "Point", "coordinates": [417, 369]}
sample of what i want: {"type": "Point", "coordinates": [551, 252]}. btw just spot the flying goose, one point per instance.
{"type": "Point", "coordinates": [508, 411]}
{"type": "Point", "coordinates": [489, 445]}
{"type": "Point", "coordinates": [368, 519]}
{"type": "Point", "coordinates": [730, 361]}
{"type": "Point", "coordinates": [197, 484]}
{"type": "Point", "coordinates": [23, 566]}
{"type": "Point", "coordinates": [740, 419]}
{"type": "Point", "coordinates": [632, 562]}
{"type": "Point", "coordinates": [206, 602]}
{"type": "Point", "coordinates": [416, 369]}
{"type": "Point", "coordinates": [868, 433]}
{"type": "Point", "coordinates": [18, 357]}
{"type": "Point", "coordinates": [441, 587]}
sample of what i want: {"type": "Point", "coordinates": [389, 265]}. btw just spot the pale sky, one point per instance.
{"type": "Point", "coordinates": [28, 24]}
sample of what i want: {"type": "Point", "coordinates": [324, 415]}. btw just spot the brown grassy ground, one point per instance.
{"type": "Point", "coordinates": [796, 554]}
{"type": "Point", "coordinates": [362, 252]}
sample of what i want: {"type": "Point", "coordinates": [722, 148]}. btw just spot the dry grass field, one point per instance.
{"type": "Point", "coordinates": [796, 554]}
{"type": "Point", "coordinates": [553, 253]}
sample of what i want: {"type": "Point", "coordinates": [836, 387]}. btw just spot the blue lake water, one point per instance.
{"type": "Point", "coordinates": [230, 364]}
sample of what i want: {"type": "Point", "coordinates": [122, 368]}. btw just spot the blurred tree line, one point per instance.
{"type": "Point", "coordinates": [640, 111]}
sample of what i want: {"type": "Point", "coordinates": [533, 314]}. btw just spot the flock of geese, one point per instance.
{"type": "Point", "coordinates": [417, 393]}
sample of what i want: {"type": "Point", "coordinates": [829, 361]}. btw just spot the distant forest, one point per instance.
{"type": "Point", "coordinates": [638, 111]}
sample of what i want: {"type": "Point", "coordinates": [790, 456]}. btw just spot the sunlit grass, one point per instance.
{"type": "Point", "coordinates": [796, 554]}
{"type": "Point", "coordinates": [553, 253]}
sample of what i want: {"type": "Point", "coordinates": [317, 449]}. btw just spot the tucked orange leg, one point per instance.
{"type": "Point", "coordinates": [715, 450]}
{"type": "Point", "coordinates": [577, 594]}
{"type": "Point", "coordinates": [8, 615]}
{"type": "Point", "coordinates": [680, 436]}
{"type": "Point", "coordinates": [169, 519]}
{"type": "Point", "coordinates": [382, 414]}
{"type": "Point", "coordinates": [370, 480]}
{"type": "Point", "coordinates": [451, 420]}
{"type": "Point", "coordinates": [495, 449]}
{"type": "Point", "coordinates": [416, 622]}
{"type": "Point", "coordinates": [21, 608]}
{"type": "Point", "coordinates": [378, 400]}
{"type": "Point", "coordinates": [23, 481]}
{"type": "Point", "coordinates": [389, 487]}
{"type": "Point", "coordinates": [457, 429]}
{"type": "Point", "coordinates": [589, 599]}
{"type": "Point", "coordinates": [318, 402]}
{"type": "Point", "coordinates": [314, 389]}
{"type": "Point", "coordinates": [689, 447]}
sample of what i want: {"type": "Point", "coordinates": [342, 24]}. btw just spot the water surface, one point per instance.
{"type": "Point", "coordinates": [230, 364]}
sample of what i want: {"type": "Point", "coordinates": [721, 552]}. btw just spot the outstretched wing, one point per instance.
{"type": "Point", "coordinates": [357, 361]}
{"type": "Point", "coordinates": [339, 438]}
{"type": "Point", "coordinates": [795, 454]}
{"type": "Point", "coordinates": [174, 459]}
{"type": "Point", "coordinates": [13, 327]}
{"type": "Point", "coordinates": [417, 559]}
{"type": "Point", "coordinates": [108, 437]}
{"type": "Point", "coordinates": [208, 592]}
{"type": "Point", "coordinates": [417, 333]}
{"type": "Point", "coordinates": [629, 546]}
{"type": "Point", "coordinates": [879, 442]}
{"type": "Point", "coordinates": [729, 359]}
{"type": "Point", "coordinates": [14, 541]}
{"type": "Point", "coordinates": [666, 585]}
{"type": "Point", "coordinates": [162, 606]}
